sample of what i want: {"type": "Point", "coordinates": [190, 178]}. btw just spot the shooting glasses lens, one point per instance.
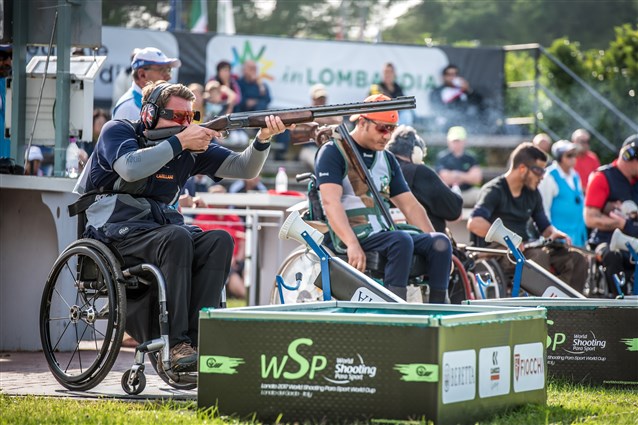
{"type": "Point", "coordinates": [382, 128]}
{"type": "Point", "coordinates": [179, 116]}
{"type": "Point", "coordinates": [539, 171]}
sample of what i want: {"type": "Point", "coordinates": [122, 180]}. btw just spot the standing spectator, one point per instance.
{"type": "Point", "coordinates": [562, 193]}
{"type": "Point", "coordinates": [123, 79]}
{"type": "Point", "coordinates": [543, 142]}
{"type": "Point", "coordinates": [458, 169]}
{"type": "Point", "coordinates": [454, 102]}
{"type": "Point", "coordinates": [439, 201]}
{"type": "Point", "coordinates": [6, 53]}
{"type": "Point", "coordinates": [198, 104]}
{"type": "Point", "coordinates": [609, 187]}
{"type": "Point", "coordinates": [226, 78]}
{"type": "Point", "coordinates": [255, 95]}
{"type": "Point", "coordinates": [149, 65]}
{"type": "Point", "coordinates": [514, 198]}
{"type": "Point", "coordinates": [389, 87]}
{"type": "Point", "coordinates": [586, 160]}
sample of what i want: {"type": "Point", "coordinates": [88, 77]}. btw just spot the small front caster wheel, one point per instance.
{"type": "Point", "coordinates": [139, 383]}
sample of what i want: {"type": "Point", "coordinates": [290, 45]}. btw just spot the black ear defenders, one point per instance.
{"type": "Point", "coordinates": [150, 111]}
{"type": "Point", "coordinates": [630, 151]}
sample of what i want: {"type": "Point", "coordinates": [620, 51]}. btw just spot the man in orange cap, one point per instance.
{"type": "Point", "coordinates": [356, 225]}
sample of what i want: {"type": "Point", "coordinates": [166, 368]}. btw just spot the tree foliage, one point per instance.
{"type": "Point", "coordinates": [497, 22]}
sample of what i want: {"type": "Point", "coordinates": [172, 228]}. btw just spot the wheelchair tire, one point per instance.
{"type": "Point", "coordinates": [498, 288]}
{"type": "Point", "coordinates": [82, 315]}
{"type": "Point", "coordinates": [138, 384]}
{"type": "Point", "coordinates": [306, 262]}
{"type": "Point", "coordinates": [186, 385]}
{"type": "Point", "coordinates": [460, 286]}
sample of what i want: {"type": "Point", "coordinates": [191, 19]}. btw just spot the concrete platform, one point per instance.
{"type": "Point", "coordinates": [27, 373]}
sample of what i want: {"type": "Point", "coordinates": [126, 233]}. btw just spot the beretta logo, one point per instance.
{"type": "Point", "coordinates": [529, 367]}
{"type": "Point", "coordinates": [459, 376]}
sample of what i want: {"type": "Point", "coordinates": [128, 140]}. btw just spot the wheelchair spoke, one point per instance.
{"type": "Point", "coordinates": [55, 347]}
{"type": "Point", "coordinates": [61, 297]}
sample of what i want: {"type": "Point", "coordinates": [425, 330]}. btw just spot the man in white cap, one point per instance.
{"type": "Point", "coordinates": [458, 169]}
{"type": "Point", "coordinates": [562, 193]}
{"type": "Point", "coordinates": [149, 65]}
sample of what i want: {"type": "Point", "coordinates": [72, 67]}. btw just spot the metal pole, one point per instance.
{"type": "Point", "coordinates": [19, 80]}
{"type": "Point", "coordinates": [62, 86]}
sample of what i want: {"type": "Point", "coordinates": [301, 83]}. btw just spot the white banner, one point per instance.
{"type": "Point", "coordinates": [347, 69]}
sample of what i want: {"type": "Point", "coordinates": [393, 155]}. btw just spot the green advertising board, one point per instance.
{"type": "Point", "coordinates": [341, 361]}
{"type": "Point", "coordinates": [588, 341]}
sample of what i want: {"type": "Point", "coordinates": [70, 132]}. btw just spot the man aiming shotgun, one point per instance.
{"type": "Point", "coordinates": [138, 169]}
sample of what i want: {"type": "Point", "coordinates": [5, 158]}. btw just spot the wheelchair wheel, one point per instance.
{"type": "Point", "coordinates": [186, 383]}
{"type": "Point", "coordinates": [490, 267]}
{"type": "Point", "coordinates": [306, 262]}
{"type": "Point", "coordinates": [460, 286]}
{"type": "Point", "coordinates": [82, 315]}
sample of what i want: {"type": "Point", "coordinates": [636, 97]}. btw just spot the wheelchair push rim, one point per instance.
{"type": "Point", "coordinates": [82, 318]}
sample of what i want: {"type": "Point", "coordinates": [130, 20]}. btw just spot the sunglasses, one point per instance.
{"type": "Point", "coordinates": [539, 171]}
{"type": "Point", "coordinates": [570, 155]}
{"type": "Point", "coordinates": [382, 128]}
{"type": "Point", "coordinates": [179, 116]}
{"type": "Point", "coordinates": [160, 69]}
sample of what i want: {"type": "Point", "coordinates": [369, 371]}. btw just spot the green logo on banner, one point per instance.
{"type": "Point", "coordinates": [632, 343]}
{"type": "Point", "coordinates": [219, 364]}
{"type": "Point", "coordinates": [418, 372]}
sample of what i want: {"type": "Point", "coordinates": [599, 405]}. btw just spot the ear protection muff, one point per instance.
{"type": "Point", "coordinates": [150, 111]}
{"type": "Point", "coordinates": [630, 151]}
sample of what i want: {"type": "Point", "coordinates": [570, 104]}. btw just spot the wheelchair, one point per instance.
{"type": "Point", "coordinates": [88, 302]}
{"type": "Point", "coordinates": [305, 261]}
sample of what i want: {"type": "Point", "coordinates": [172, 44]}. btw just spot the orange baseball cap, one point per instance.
{"type": "Point", "coordinates": [386, 116]}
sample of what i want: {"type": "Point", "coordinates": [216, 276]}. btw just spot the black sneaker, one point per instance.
{"type": "Point", "coordinates": [183, 358]}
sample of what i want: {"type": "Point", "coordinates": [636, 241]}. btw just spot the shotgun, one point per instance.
{"type": "Point", "coordinates": [288, 116]}
{"type": "Point", "coordinates": [364, 173]}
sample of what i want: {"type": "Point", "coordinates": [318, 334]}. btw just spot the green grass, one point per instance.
{"type": "Point", "coordinates": [567, 404]}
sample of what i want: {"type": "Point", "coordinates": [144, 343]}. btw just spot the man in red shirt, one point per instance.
{"type": "Point", "coordinates": [586, 160]}
{"type": "Point", "coordinates": [609, 187]}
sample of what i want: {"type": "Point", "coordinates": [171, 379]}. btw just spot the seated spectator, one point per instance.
{"type": "Point", "coordinates": [246, 186]}
{"type": "Point", "coordinates": [389, 87]}
{"type": "Point", "coordinates": [458, 169]}
{"type": "Point", "coordinates": [255, 95]}
{"type": "Point", "coordinates": [562, 193]}
{"type": "Point", "coordinates": [514, 198]}
{"type": "Point", "coordinates": [301, 133]}
{"type": "Point", "coordinates": [454, 102]}
{"type": "Point", "coordinates": [226, 78]}
{"type": "Point", "coordinates": [609, 186]}
{"type": "Point", "coordinates": [219, 100]}
{"type": "Point", "coordinates": [439, 201]}
{"type": "Point", "coordinates": [586, 161]}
